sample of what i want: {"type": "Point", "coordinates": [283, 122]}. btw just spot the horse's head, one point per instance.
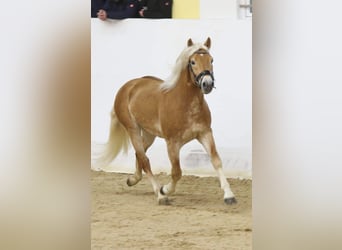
{"type": "Point", "coordinates": [201, 67]}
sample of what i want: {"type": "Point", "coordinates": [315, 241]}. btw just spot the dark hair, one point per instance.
{"type": "Point", "coordinates": [117, 1]}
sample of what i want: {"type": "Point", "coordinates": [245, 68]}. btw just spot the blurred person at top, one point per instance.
{"type": "Point", "coordinates": [156, 8]}
{"type": "Point", "coordinates": [96, 5]}
{"type": "Point", "coordinates": [118, 9]}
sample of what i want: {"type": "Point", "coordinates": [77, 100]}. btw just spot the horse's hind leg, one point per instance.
{"type": "Point", "coordinates": [142, 160]}
{"type": "Point", "coordinates": [176, 172]}
{"type": "Point", "coordinates": [148, 139]}
{"type": "Point", "coordinates": [208, 143]}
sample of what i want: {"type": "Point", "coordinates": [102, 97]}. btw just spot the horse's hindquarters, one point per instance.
{"type": "Point", "coordinates": [137, 104]}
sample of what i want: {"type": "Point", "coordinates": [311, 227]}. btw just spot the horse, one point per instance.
{"type": "Point", "coordinates": [173, 109]}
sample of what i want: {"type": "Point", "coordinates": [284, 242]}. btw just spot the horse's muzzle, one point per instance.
{"type": "Point", "coordinates": [206, 83]}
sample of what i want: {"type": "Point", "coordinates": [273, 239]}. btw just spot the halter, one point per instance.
{"type": "Point", "coordinates": [199, 77]}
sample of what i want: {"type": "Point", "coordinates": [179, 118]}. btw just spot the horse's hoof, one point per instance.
{"type": "Point", "coordinates": [132, 180]}
{"type": "Point", "coordinates": [230, 201]}
{"type": "Point", "coordinates": [129, 182]}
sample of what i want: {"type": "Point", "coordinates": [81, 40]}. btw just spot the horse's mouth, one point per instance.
{"type": "Point", "coordinates": [207, 85]}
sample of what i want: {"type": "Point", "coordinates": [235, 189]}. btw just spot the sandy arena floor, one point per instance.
{"type": "Point", "coordinates": [129, 217]}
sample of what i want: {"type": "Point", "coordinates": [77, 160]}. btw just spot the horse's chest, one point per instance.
{"type": "Point", "coordinates": [186, 120]}
{"type": "Point", "coordinates": [197, 113]}
{"type": "Point", "coordinates": [194, 110]}
{"type": "Point", "coordinates": [197, 121]}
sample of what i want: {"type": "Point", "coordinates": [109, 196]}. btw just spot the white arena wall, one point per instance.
{"type": "Point", "coordinates": [126, 49]}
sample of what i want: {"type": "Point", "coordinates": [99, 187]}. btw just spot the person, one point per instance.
{"type": "Point", "coordinates": [156, 8]}
{"type": "Point", "coordinates": [119, 9]}
{"type": "Point", "coordinates": [96, 5]}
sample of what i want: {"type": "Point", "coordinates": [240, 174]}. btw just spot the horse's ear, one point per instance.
{"type": "Point", "coordinates": [190, 42]}
{"type": "Point", "coordinates": [208, 43]}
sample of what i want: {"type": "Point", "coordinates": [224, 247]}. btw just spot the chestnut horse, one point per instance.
{"type": "Point", "coordinates": [174, 109]}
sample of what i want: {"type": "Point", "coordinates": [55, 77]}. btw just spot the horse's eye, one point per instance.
{"type": "Point", "coordinates": [212, 60]}
{"type": "Point", "coordinates": [193, 62]}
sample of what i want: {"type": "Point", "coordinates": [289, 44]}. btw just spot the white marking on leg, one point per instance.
{"type": "Point", "coordinates": [224, 184]}
{"type": "Point", "coordinates": [155, 183]}
{"type": "Point", "coordinates": [209, 145]}
{"type": "Point", "coordinates": [169, 188]}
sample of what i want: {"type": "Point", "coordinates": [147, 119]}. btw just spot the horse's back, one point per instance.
{"type": "Point", "coordinates": [146, 85]}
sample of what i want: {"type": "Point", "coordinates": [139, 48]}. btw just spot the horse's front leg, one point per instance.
{"type": "Point", "coordinates": [207, 140]}
{"type": "Point", "coordinates": [173, 149]}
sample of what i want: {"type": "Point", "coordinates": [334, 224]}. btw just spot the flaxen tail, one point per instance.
{"type": "Point", "coordinates": [118, 141]}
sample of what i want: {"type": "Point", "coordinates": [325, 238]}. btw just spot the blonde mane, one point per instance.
{"type": "Point", "coordinates": [181, 63]}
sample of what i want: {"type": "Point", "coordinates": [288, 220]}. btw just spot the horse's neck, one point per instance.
{"type": "Point", "coordinates": [186, 94]}
{"type": "Point", "coordinates": [188, 87]}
